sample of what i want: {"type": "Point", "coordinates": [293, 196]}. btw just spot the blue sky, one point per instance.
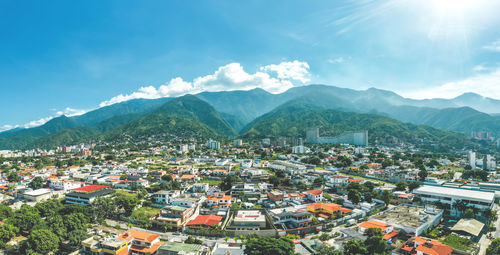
{"type": "Point", "coordinates": [72, 56]}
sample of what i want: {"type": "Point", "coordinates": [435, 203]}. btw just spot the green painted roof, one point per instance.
{"type": "Point", "coordinates": [177, 247]}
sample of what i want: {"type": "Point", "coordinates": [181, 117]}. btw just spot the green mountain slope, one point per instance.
{"type": "Point", "coordinates": [294, 118]}
{"type": "Point", "coordinates": [194, 108]}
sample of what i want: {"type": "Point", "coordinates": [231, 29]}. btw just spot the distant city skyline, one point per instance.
{"type": "Point", "coordinates": [68, 58]}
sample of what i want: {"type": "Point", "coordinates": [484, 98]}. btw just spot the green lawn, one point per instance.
{"type": "Point", "coordinates": [212, 182]}
{"type": "Point", "coordinates": [365, 178]}
{"type": "Point", "coordinates": [148, 211]}
{"type": "Point", "coordinates": [458, 242]}
{"type": "Point", "coordinates": [125, 192]}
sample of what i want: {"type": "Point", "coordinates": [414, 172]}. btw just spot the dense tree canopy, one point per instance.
{"type": "Point", "coordinates": [269, 246]}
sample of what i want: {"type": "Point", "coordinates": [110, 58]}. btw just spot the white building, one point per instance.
{"type": "Point", "coordinates": [183, 148]}
{"type": "Point", "coordinates": [214, 145]}
{"type": "Point", "coordinates": [471, 157]}
{"type": "Point", "coordinates": [489, 163]}
{"type": "Point", "coordinates": [301, 149]}
{"type": "Point", "coordinates": [64, 185]}
{"type": "Point", "coordinates": [479, 199]}
{"type": "Point", "coordinates": [238, 142]}
{"type": "Point", "coordinates": [164, 197]}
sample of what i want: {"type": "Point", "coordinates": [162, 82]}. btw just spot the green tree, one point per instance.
{"type": "Point", "coordinates": [269, 246]}
{"type": "Point", "coordinates": [469, 213]}
{"type": "Point", "coordinates": [494, 247]}
{"type": "Point", "coordinates": [37, 183]}
{"type": "Point", "coordinates": [422, 174]}
{"type": "Point", "coordinates": [401, 186]}
{"type": "Point", "coordinates": [229, 181]}
{"type": "Point", "coordinates": [76, 237]}
{"type": "Point", "coordinates": [25, 218]}
{"type": "Point", "coordinates": [49, 207]}
{"type": "Point", "coordinates": [413, 185]}
{"type": "Point", "coordinates": [386, 197]}
{"type": "Point", "coordinates": [353, 247]}
{"type": "Point", "coordinates": [7, 232]}
{"type": "Point", "coordinates": [318, 182]}
{"type": "Point", "coordinates": [103, 208]}
{"type": "Point", "coordinates": [354, 196]}
{"type": "Point", "coordinates": [166, 177]}
{"type": "Point", "coordinates": [192, 240]}
{"type": "Point", "coordinates": [325, 250]}
{"type": "Point", "coordinates": [127, 203]}
{"type": "Point", "coordinates": [5, 212]}
{"type": "Point", "coordinates": [42, 241]}
{"type": "Point", "coordinates": [13, 177]}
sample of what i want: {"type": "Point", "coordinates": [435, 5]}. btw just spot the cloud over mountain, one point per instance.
{"type": "Point", "coordinates": [274, 78]}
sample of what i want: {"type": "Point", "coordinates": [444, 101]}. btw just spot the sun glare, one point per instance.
{"type": "Point", "coordinates": [455, 7]}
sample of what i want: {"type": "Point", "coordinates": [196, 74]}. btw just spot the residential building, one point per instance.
{"type": "Point", "coordinates": [315, 195]}
{"type": "Point", "coordinates": [165, 197]}
{"type": "Point", "coordinates": [174, 248]}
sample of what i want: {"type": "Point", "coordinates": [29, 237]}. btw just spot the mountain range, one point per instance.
{"type": "Point", "coordinates": [252, 113]}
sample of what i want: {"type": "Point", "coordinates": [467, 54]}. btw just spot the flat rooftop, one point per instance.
{"type": "Point", "coordinates": [249, 216]}
{"type": "Point", "coordinates": [408, 216]}
{"type": "Point", "coordinates": [458, 193]}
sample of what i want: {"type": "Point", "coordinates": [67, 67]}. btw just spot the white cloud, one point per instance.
{"type": "Point", "coordinates": [229, 77]}
{"type": "Point", "coordinates": [295, 70]}
{"type": "Point", "coordinates": [494, 46]}
{"type": "Point", "coordinates": [479, 68]}
{"type": "Point", "coordinates": [273, 78]}
{"type": "Point", "coordinates": [70, 112]}
{"type": "Point", "coordinates": [336, 60]}
{"type": "Point", "coordinates": [484, 83]}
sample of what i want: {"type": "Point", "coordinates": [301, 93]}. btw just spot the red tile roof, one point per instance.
{"type": "Point", "coordinates": [208, 220]}
{"type": "Point", "coordinates": [90, 188]}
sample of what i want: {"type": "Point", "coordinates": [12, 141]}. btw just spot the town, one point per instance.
{"type": "Point", "coordinates": [230, 197]}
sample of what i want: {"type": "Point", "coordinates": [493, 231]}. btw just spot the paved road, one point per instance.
{"type": "Point", "coordinates": [484, 242]}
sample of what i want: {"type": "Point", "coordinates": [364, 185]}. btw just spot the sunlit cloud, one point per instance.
{"type": "Point", "coordinates": [274, 78]}
{"type": "Point", "coordinates": [494, 46]}
{"type": "Point", "coordinates": [484, 83]}
{"type": "Point", "coordinates": [70, 112]}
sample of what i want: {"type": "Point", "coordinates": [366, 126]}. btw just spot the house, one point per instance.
{"type": "Point", "coordinates": [176, 216]}
{"type": "Point", "coordinates": [386, 228]}
{"type": "Point", "coordinates": [205, 221]}
{"type": "Point", "coordinates": [141, 242]}
{"type": "Point", "coordinates": [165, 197]}
{"type": "Point", "coordinates": [64, 184]}
{"type": "Point", "coordinates": [424, 246]}
{"type": "Point", "coordinates": [248, 220]}
{"type": "Point", "coordinates": [174, 248]}
{"type": "Point", "coordinates": [327, 210]}
{"type": "Point", "coordinates": [315, 195]}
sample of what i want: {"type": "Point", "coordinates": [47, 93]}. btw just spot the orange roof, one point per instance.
{"type": "Point", "coordinates": [188, 176]}
{"type": "Point", "coordinates": [437, 248]}
{"type": "Point", "coordinates": [139, 235]}
{"type": "Point", "coordinates": [373, 224]}
{"type": "Point", "coordinates": [315, 192]}
{"type": "Point", "coordinates": [330, 207]}
{"type": "Point", "coordinates": [206, 220]}
{"type": "Point", "coordinates": [147, 250]}
{"type": "Point", "coordinates": [390, 235]}
{"type": "Point", "coordinates": [355, 180]}
{"type": "Point", "coordinates": [227, 197]}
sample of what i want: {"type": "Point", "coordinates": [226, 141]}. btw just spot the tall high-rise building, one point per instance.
{"type": "Point", "coordinates": [471, 158]}
{"type": "Point", "coordinates": [214, 145]}
{"type": "Point", "coordinates": [489, 163]}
